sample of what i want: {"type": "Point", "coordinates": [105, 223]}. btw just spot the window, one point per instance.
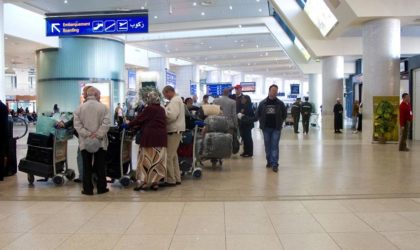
{"type": "Point", "coordinates": [321, 15]}
{"type": "Point", "coordinates": [31, 81]}
{"type": "Point", "coordinates": [12, 81]}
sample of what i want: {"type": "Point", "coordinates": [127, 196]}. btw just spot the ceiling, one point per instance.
{"type": "Point", "coordinates": [248, 53]}
{"type": "Point", "coordinates": [20, 53]}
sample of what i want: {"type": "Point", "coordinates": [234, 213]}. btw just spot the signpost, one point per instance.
{"type": "Point", "coordinates": [97, 23]}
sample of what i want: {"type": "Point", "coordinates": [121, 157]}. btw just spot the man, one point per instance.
{"type": "Point", "coordinates": [228, 107]}
{"type": "Point", "coordinates": [205, 100]}
{"type": "Point", "coordinates": [4, 138]}
{"type": "Point", "coordinates": [306, 115]}
{"type": "Point", "coordinates": [92, 122]}
{"type": "Point", "coordinates": [296, 110]}
{"type": "Point", "coordinates": [175, 123]}
{"type": "Point", "coordinates": [272, 113]}
{"type": "Point", "coordinates": [238, 97]}
{"type": "Point", "coordinates": [406, 117]}
{"type": "Point", "coordinates": [338, 117]}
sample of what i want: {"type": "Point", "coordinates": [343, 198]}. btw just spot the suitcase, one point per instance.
{"type": "Point", "coordinates": [219, 124]}
{"type": "Point", "coordinates": [43, 155]}
{"type": "Point", "coordinates": [40, 140]}
{"type": "Point", "coordinates": [38, 168]}
{"type": "Point", "coordinates": [217, 146]}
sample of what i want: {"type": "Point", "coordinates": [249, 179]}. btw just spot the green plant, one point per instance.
{"type": "Point", "coordinates": [385, 121]}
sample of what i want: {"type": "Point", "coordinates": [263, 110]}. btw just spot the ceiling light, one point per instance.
{"type": "Point", "coordinates": [239, 26]}
{"type": "Point", "coordinates": [210, 47]}
{"type": "Point", "coordinates": [242, 45]}
{"type": "Point", "coordinates": [203, 13]}
{"type": "Point", "coordinates": [266, 53]}
{"type": "Point", "coordinates": [66, 2]}
{"type": "Point", "coordinates": [194, 3]}
{"type": "Point", "coordinates": [257, 46]}
{"type": "Point", "coordinates": [155, 17]}
{"type": "Point", "coordinates": [230, 7]}
{"type": "Point", "coordinates": [258, 1]}
{"type": "Point", "coordinates": [259, 10]}
{"type": "Point", "coordinates": [236, 41]}
{"type": "Point", "coordinates": [142, 7]}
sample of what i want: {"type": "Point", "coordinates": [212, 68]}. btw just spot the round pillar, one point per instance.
{"type": "Point", "coordinates": [332, 87]}
{"type": "Point", "coordinates": [315, 90]}
{"type": "Point", "coordinates": [381, 64]}
{"type": "Point", "coordinates": [62, 72]}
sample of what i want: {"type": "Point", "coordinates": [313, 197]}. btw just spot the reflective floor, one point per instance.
{"type": "Point", "coordinates": [331, 192]}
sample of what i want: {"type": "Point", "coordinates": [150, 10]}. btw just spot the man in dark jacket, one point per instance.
{"type": "Point", "coordinates": [306, 115]}
{"type": "Point", "coordinates": [338, 117]}
{"type": "Point", "coordinates": [4, 138]}
{"type": "Point", "coordinates": [296, 110]}
{"type": "Point", "coordinates": [272, 113]}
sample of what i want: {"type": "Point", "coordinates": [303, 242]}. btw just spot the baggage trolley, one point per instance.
{"type": "Point", "coordinates": [186, 154]}
{"type": "Point", "coordinates": [48, 161]}
{"type": "Point", "coordinates": [198, 158]}
{"type": "Point", "coordinates": [118, 157]}
{"type": "Point", "coordinates": [314, 120]}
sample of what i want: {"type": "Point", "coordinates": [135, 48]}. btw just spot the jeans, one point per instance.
{"type": "Point", "coordinates": [271, 143]}
{"type": "Point", "coordinates": [80, 163]}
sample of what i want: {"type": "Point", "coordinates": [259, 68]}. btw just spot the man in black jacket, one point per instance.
{"type": "Point", "coordinates": [307, 109]}
{"type": "Point", "coordinates": [338, 117]}
{"type": "Point", "coordinates": [4, 138]}
{"type": "Point", "coordinates": [272, 113]}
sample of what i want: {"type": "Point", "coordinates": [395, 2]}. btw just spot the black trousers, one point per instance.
{"type": "Point", "coordinates": [296, 119]}
{"type": "Point", "coordinates": [98, 166]}
{"type": "Point", "coordinates": [305, 123]}
{"type": "Point", "coordinates": [2, 166]}
{"type": "Point", "coordinates": [246, 134]}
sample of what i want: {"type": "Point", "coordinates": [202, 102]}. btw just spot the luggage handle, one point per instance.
{"type": "Point", "coordinates": [26, 127]}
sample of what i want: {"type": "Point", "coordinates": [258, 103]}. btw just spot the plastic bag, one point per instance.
{"type": "Point", "coordinates": [217, 146]}
{"type": "Point", "coordinates": [218, 124]}
{"type": "Point", "coordinates": [45, 125]}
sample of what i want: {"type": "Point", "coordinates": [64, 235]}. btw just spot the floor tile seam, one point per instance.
{"type": "Point", "coordinates": [395, 213]}
{"type": "Point", "coordinates": [272, 224]}
{"type": "Point", "coordinates": [176, 228]}
{"type": "Point", "coordinates": [20, 236]}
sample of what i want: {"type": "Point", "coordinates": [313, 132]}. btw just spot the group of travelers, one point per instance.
{"type": "Point", "coordinates": [304, 109]}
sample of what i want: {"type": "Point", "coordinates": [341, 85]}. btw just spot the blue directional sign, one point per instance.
{"type": "Point", "coordinates": [216, 89]}
{"type": "Point", "coordinates": [96, 24]}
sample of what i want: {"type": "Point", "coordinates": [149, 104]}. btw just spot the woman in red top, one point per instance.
{"type": "Point", "coordinates": [406, 116]}
{"type": "Point", "coordinates": [151, 166]}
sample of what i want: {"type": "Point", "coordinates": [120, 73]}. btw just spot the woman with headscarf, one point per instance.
{"type": "Point", "coordinates": [151, 166]}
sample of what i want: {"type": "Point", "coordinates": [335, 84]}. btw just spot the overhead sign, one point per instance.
{"type": "Point", "coordinates": [216, 89]}
{"type": "Point", "coordinates": [294, 89]}
{"type": "Point", "coordinates": [248, 86]}
{"type": "Point", "coordinates": [170, 78]}
{"type": "Point", "coordinates": [97, 23]}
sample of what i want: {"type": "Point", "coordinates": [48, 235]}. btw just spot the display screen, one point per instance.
{"type": "Point", "coordinates": [321, 15]}
{"type": "Point", "coordinates": [170, 78]}
{"type": "Point", "coordinates": [216, 89]}
{"type": "Point", "coordinates": [248, 86]}
{"type": "Point", "coordinates": [294, 89]}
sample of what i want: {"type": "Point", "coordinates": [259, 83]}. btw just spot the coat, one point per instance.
{"type": "Point", "coordinates": [175, 115]}
{"type": "Point", "coordinates": [228, 107]}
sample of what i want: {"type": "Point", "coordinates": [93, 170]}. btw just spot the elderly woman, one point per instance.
{"type": "Point", "coordinates": [151, 166]}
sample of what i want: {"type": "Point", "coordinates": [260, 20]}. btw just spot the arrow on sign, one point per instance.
{"type": "Point", "coordinates": [55, 26]}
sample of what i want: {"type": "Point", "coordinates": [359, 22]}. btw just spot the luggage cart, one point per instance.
{"type": "Point", "coordinates": [118, 158]}
{"type": "Point", "coordinates": [198, 157]}
{"type": "Point", "coordinates": [314, 120]}
{"type": "Point", "coordinates": [48, 161]}
{"type": "Point", "coordinates": [186, 155]}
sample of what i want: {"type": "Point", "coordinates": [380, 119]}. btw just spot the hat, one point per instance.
{"type": "Point", "coordinates": [238, 86]}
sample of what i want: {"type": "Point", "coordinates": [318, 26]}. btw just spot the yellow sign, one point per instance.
{"type": "Point", "coordinates": [385, 118]}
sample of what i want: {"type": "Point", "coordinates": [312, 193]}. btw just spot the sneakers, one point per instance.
{"type": "Point", "coordinates": [275, 169]}
{"type": "Point", "coordinates": [268, 165]}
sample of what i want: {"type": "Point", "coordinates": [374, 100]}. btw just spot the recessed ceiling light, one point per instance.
{"type": "Point", "coordinates": [230, 7]}
{"type": "Point", "coordinates": [155, 17]}
{"type": "Point", "coordinates": [266, 53]}
{"type": "Point", "coordinates": [210, 47]}
{"type": "Point", "coordinates": [202, 43]}
{"type": "Point", "coordinates": [203, 13]}
{"type": "Point", "coordinates": [239, 26]}
{"type": "Point", "coordinates": [66, 2]}
{"type": "Point", "coordinates": [194, 3]}
{"type": "Point", "coordinates": [258, 1]}
{"type": "Point", "coordinates": [236, 41]}
{"type": "Point", "coordinates": [242, 45]}
{"type": "Point", "coordinates": [259, 10]}
{"type": "Point", "coordinates": [142, 7]}
{"type": "Point", "coordinates": [258, 46]}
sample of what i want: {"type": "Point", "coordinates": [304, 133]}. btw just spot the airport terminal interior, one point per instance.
{"type": "Point", "coordinates": [336, 80]}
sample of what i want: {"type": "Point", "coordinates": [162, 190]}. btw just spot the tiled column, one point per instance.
{"type": "Point", "coordinates": [332, 87]}
{"type": "Point", "coordinates": [381, 60]}
{"type": "Point", "coordinates": [315, 90]}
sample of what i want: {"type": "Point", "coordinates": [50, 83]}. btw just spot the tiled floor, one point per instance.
{"type": "Point", "coordinates": [331, 192]}
{"type": "Point", "coordinates": [209, 225]}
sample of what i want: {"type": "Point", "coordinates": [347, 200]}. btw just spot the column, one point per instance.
{"type": "Point", "coordinates": [159, 64]}
{"type": "Point", "coordinates": [2, 54]}
{"type": "Point", "coordinates": [332, 87]}
{"type": "Point", "coordinates": [315, 90]}
{"type": "Point", "coordinates": [381, 60]}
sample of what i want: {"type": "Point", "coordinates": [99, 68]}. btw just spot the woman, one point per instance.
{"type": "Point", "coordinates": [151, 166]}
{"type": "Point", "coordinates": [246, 124]}
{"type": "Point", "coordinates": [56, 109]}
{"type": "Point", "coordinates": [355, 116]}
